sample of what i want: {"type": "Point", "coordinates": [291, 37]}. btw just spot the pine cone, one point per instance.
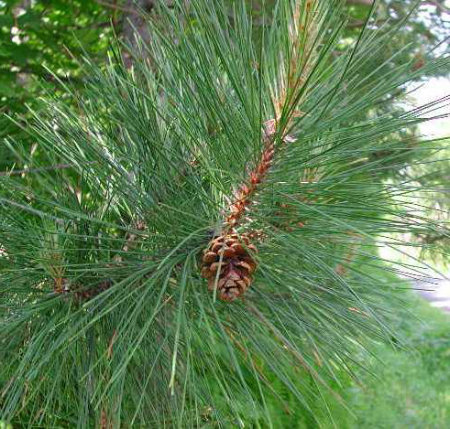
{"type": "Point", "coordinates": [236, 267]}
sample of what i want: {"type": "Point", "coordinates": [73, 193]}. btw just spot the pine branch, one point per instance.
{"type": "Point", "coordinates": [264, 131]}
{"type": "Point", "coordinates": [243, 196]}
{"type": "Point", "coordinates": [231, 279]}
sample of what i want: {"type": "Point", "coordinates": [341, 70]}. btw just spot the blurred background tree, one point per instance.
{"type": "Point", "coordinates": [40, 42]}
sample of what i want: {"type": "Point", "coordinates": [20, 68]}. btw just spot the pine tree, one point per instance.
{"type": "Point", "coordinates": [213, 228]}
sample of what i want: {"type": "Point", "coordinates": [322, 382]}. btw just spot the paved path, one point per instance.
{"type": "Point", "coordinates": [437, 291]}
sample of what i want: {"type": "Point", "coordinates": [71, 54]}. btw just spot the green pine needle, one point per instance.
{"type": "Point", "coordinates": [165, 145]}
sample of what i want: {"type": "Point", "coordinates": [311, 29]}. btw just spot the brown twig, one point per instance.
{"type": "Point", "coordinates": [120, 8]}
{"type": "Point", "coordinates": [300, 63]}
{"type": "Point", "coordinates": [438, 5]}
{"type": "Point", "coordinates": [105, 422]}
{"type": "Point", "coordinates": [341, 269]}
{"type": "Point", "coordinates": [130, 240]}
{"type": "Point", "coordinates": [245, 192]}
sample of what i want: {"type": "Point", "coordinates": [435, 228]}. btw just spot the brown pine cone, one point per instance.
{"type": "Point", "coordinates": [236, 267]}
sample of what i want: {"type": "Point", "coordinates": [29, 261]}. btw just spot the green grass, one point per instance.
{"type": "Point", "coordinates": [412, 388]}
{"type": "Point", "coordinates": [408, 387]}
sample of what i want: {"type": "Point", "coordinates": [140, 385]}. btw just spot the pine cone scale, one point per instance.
{"type": "Point", "coordinates": [230, 255]}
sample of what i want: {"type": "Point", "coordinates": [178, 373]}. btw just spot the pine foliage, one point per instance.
{"type": "Point", "coordinates": [106, 319]}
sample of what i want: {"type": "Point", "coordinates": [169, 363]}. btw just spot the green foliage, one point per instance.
{"type": "Point", "coordinates": [36, 37]}
{"type": "Point", "coordinates": [406, 387]}
{"type": "Point", "coordinates": [148, 345]}
{"type": "Point", "coordinates": [411, 389]}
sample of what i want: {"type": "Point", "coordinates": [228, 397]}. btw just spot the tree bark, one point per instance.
{"type": "Point", "coordinates": [135, 26]}
{"type": "Point", "coordinates": [439, 5]}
